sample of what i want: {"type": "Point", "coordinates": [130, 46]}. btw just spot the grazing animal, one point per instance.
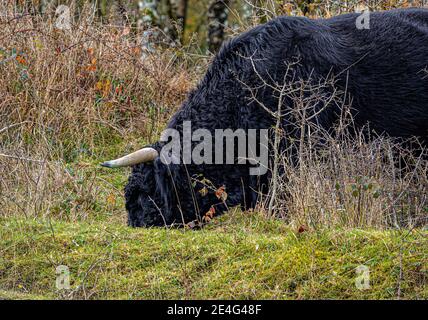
{"type": "Point", "coordinates": [381, 69]}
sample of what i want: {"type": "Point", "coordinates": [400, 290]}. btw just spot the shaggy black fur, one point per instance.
{"type": "Point", "coordinates": [381, 68]}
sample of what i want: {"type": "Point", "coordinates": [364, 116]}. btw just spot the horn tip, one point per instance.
{"type": "Point", "coordinates": [107, 164]}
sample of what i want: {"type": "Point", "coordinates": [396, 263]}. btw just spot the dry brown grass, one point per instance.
{"type": "Point", "coordinates": [354, 183]}
{"type": "Point", "coordinates": [69, 98]}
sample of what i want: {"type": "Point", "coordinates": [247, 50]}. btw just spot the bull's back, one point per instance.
{"type": "Point", "coordinates": [388, 79]}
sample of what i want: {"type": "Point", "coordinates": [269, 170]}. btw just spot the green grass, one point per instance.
{"type": "Point", "coordinates": [238, 256]}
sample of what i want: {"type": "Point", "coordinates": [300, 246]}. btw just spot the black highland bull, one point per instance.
{"type": "Point", "coordinates": [383, 69]}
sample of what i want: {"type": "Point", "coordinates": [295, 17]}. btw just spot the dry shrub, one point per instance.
{"type": "Point", "coordinates": [355, 182]}
{"type": "Point", "coordinates": [72, 97]}
{"type": "Point", "coordinates": [89, 78]}
{"type": "Point", "coordinates": [345, 176]}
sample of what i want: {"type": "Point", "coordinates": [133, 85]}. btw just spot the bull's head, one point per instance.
{"type": "Point", "coordinates": [158, 194]}
{"type": "Point", "coordinates": [149, 194]}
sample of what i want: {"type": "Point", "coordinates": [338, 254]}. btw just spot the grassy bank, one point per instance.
{"type": "Point", "coordinates": [239, 256]}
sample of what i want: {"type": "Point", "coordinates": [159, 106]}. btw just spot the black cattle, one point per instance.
{"type": "Point", "coordinates": [381, 69]}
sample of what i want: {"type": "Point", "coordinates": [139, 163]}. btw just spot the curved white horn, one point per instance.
{"type": "Point", "coordinates": [140, 156]}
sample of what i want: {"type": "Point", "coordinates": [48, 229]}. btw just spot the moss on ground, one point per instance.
{"type": "Point", "coordinates": [238, 256]}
